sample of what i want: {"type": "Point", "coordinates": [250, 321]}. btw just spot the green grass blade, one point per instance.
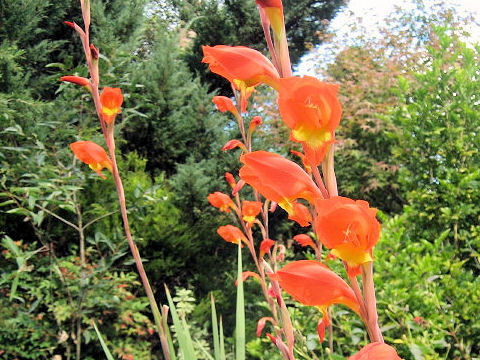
{"type": "Point", "coordinates": [240, 320]}
{"type": "Point", "coordinates": [102, 342]}
{"type": "Point", "coordinates": [173, 355]}
{"type": "Point", "coordinates": [216, 342]}
{"type": "Point", "coordinates": [222, 342]}
{"type": "Point", "coordinates": [184, 340]}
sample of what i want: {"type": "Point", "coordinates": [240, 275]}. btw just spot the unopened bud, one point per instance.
{"type": "Point", "coordinates": [94, 51]}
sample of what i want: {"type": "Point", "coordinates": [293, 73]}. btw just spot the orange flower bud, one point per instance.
{"type": "Point", "coordinates": [231, 234]}
{"type": "Point", "coordinates": [230, 180]}
{"type": "Point", "coordinates": [265, 246]}
{"type": "Point", "coordinates": [232, 144]}
{"type": "Point", "coordinates": [376, 351]}
{"type": "Point", "coordinates": [221, 201]}
{"type": "Point", "coordinates": [310, 108]}
{"type": "Point", "coordinates": [278, 179]}
{"type": "Point", "coordinates": [224, 103]}
{"type": "Point", "coordinates": [304, 240]}
{"type": "Point", "coordinates": [76, 80]}
{"type": "Point", "coordinates": [92, 154]}
{"type": "Point", "coordinates": [256, 121]}
{"type": "Point", "coordinates": [348, 227]}
{"type": "Point", "coordinates": [246, 275]}
{"type": "Point", "coordinates": [111, 99]}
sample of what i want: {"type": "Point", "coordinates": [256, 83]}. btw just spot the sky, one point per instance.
{"type": "Point", "coordinates": [372, 13]}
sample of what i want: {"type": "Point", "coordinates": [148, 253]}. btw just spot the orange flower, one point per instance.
{"type": "Point", "coordinates": [221, 201]}
{"type": "Point", "coordinates": [349, 228]}
{"type": "Point", "coordinates": [224, 103]}
{"type": "Point", "coordinates": [312, 283]}
{"type": "Point", "coordinates": [245, 68]}
{"type": "Point", "coordinates": [278, 179]}
{"type": "Point", "coordinates": [304, 240]}
{"type": "Point", "coordinates": [301, 215]}
{"type": "Point", "coordinates": [111, 99]}
{"type": "Point", "coordinates": [231, 234]}
{"type": "Point", "coordinates": [92, 154]}
{"type": "Point", "coordinates": [250, 210]}
{"type": "Point", "coordinates": [311, 110]}
{"type": "Point", "coordinates": [376, 351]}
{"type": "Point", "coordinates": [265, 246]}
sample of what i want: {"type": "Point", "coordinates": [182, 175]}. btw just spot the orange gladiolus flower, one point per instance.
{"type": "Point", "coordinates": [312, 283]}
{"type": "Point", "coordinates": [250, 210]}
{"type": "Point", "coordinates": [245, 68]}
{"type": "Point", "coordinates": [376, 351]}
{"type": "Point", "coordinates": [111, 99]}
{"type": "Point", "coordinates": [231, 234]}
{"type": "Point", "coordinates": [310, 108]}
{"type": "Point", "coordinates": [93, 155]}
{"type": "Point", "coordinates": [265, 246]}
{"type": "Point", "coordinates": [278, 179]}
{"type": "Point", "coordinates": [221, 201]}
{"type": "Point", "coordinates": [348, 227]}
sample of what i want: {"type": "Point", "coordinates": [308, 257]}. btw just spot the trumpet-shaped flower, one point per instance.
{"type": "Point", "coordinates": [349, 228]}
{"type": "Point", "coordinates": [314, 284]}
{"type": "Point", "coordinates": [376, 351]}
{"type": "Point", "coordinates": [231, 234]}
{"type": "Point", "coordinates": [250, 210]}
{"type": "Point", "coordinates": [93, 155]}
{"type": "Point", "coordinates": [278, 179]}
{"type": "Point", "coordinates": [111, 99]}
{"type": "Point", "coordinates": [245, 68]}
{"type": "Point", "coordinates": [221, 201]}
{"type": "Point", "coordinates": [310, 108]}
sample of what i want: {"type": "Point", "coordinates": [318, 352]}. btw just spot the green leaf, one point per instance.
{"type": "Point", "coordinates": [240, 320]}
{"type": "Point", "coordinates": [104, 346]}
{"type": "Point", "coordinates": [216, 342]}
{"type": "Point", "coordinates": [184, 339]}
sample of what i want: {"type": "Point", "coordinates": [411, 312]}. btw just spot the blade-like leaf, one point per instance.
{"type": "Point", "coordinates": [102, 342]}
{"type": "Point", "coordinates": [216, 342]}
{"type": "Point", "coordinates": [184, 340]}
{"type": "Point", "coordinates": [240, 320]}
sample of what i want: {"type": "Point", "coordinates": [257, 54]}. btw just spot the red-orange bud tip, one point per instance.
{"type": "Point", "coordinates": [76, 80]}
{"type": "Point", "coordinates": [69, 23]}
{"type": "Point", "coordinates": [94, 51]}
{"type": "Point", "coordinates": [272, 338]}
